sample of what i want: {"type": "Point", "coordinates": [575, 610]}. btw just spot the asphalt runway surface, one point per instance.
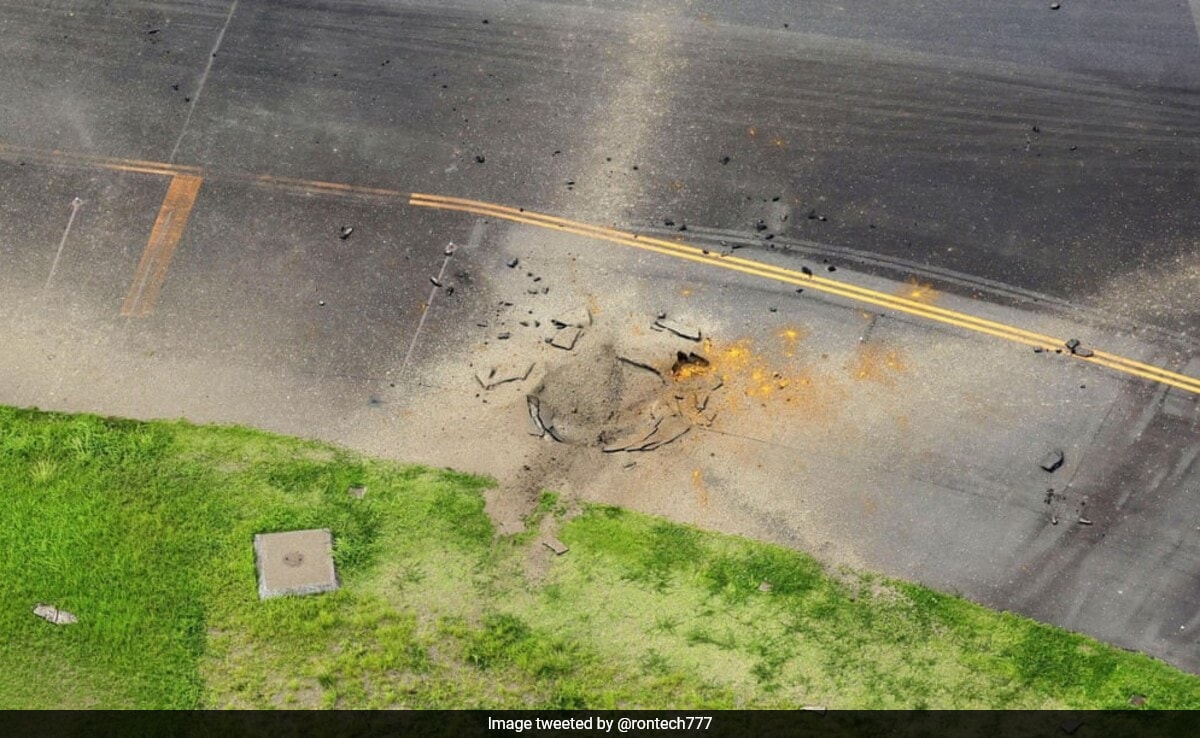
{"type": "Point", "coordinates": [174, 178]}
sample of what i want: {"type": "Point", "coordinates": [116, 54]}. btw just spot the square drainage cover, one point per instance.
{"type": "Point", "coordinates": [297, 562]}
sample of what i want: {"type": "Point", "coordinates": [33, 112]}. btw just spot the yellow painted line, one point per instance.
{"type": "Point", "coordinates": [821, 284]}
{"type": "Point", "coordinates": [15, 153]}
{"type": "Point", "coordinates": [312, 185]}
{"type": "Point", "coordinates": [152, 277]}
{"type": "Point", "coordinates": [895, 302]}
{"type": "Point", "coordinates": [168, 228]}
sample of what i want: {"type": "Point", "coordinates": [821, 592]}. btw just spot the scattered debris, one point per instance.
{"type": "Point", "coordinates": [512, 263]}
{"type": "Point", "coordinates": [345, 231]}
{"type": "Point", "coordinates": [765, 587]}
{"type": "Point", "coordinates": [555, 545]}
{"type": "Point", "coordinates": [504, 336]}
{"type": "Point", "coordinates": [52, 614]}
{"type": "Point", "coordinates": [566, 337]}
{"type": "Point", "coordinates": [1053, 460]}
{"type": "Point", "coordinates": [450, 249]}
{"type": "Point", "coordinates": [1082, 352]}
{"type": "Point", "coordinates": [581, 318]}
{"type": "Point", "coordinates": [435, 281]}
{"type": "Point", "coordinates": [1055, 6]}
{"type": "Point", "coordinates": [1137, 700]}
{"type": "Point", "coordinates": [320, 303]}
{"type": "Point", "coordinates": [806, 271]}
{"type": "Point", "coordinates": [1072, 344]}
{"type": "Point", "coordinates": [497, 376]}
{"type": "Point", "coordinates": [479, 159]}
{"type": "Point", "coordinates": [1085, 521]}
{"type": "Point", "coordinates": [358, 491]}
{"type": "Point", "coordinates": [682, 330]}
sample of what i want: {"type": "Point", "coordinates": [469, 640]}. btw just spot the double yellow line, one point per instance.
{"type": "Point", "coordinates": [809, 281]}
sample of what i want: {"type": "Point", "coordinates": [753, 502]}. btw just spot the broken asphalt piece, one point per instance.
{"type": "Point", "coordinates": [52, 614]}
{"type": "Point", "coordinates": [1072, 344]}
{"type": "Point", "coordinates": [555, 545]}
{"type": "Point", "coordinates": [1055, 6]}
{"type": "Point", "coordinates": [450, 249]}
{"type": "Point", "coordinates": [345, 231]}
{"type": "Point", "coordinates": [435, 281]}
{"type": "Point", "coordinates": [543, 428]}
{"type": "Point", "coordinates": [641, 365]}
{"type": "Point", "coordinates": [636, 438]}
{"type": "Point", "coordinates": [512, 263]}
{"type": "Point", "coordinates": [497, 376]}
{"type": "Point", "coordinates": [534, 405]}
{"type": "Point", "coordinates": [683, 360]}
{"type": "Point", "coordinates": [566, 338]}
{"type": "Point", "coordinates": [671, 429]}
{"type": "Point", "coordinates": [663, 431]}
{"type": "Point", "coordinates": [1052, 461]}
{"type": "Point", "coordinates": [682, 330]}
{"type": "Point", "coordinates": [581, 318]}
{"type": "Point", "coordinates": [806, 271]}
{"type": "Point", "coordinates": [1085, 353]}
{"type": "Point", "coordinates": [1084, 521]}
{"type": "Point", "coordinates": [479, 159]}
{"type": "Point", "coordinates": [504, 336]}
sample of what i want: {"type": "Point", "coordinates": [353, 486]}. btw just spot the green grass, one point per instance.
{"type": "Point", "coordinates": [144, 531]}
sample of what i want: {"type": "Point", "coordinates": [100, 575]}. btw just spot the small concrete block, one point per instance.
{"type": "Point", "coordinates": [297, 562]}
{"type": "Point", "coordinates": [52, 614]}
{"type": "Point", "coordinates": [555, 545]}
{"type": "Point", "coordinates": [1052, 460]}
{"type": "Point", "coordinates": [566, 338]}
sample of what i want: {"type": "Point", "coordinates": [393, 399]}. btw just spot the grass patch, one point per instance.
{"type": "Point", "coordinates": [144, 531]}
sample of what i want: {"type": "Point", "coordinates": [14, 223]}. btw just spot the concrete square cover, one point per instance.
{"type": "Point", "coordinates": [297, 562]}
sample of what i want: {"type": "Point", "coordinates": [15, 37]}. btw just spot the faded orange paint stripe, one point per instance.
{"type": "Point", "coordinates": [160, 249]}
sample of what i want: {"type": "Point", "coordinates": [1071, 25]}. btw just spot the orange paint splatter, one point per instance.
{"type": "Point", "coordinates": [699, 486]}
{"type": "Point", "coordinates": [791, 336]}
{"type": "Point", "coordinates": [919, 291]}
{"type": "Point", "coordinates": [876, 364]}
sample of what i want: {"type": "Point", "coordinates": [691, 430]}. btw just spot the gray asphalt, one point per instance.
{"type": "Point", "coordinates": [1037, 158]}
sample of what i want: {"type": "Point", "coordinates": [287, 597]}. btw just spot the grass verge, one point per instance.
{"type": "Point", "coordinates": [144, 531]}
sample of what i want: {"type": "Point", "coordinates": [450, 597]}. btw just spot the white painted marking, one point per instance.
{"type": "Point", "coordinates": [200, 85]}
{"type": "Point", "coordinates": [75, 205]}
{"type": "Point", "coordinates": [424, 314]}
